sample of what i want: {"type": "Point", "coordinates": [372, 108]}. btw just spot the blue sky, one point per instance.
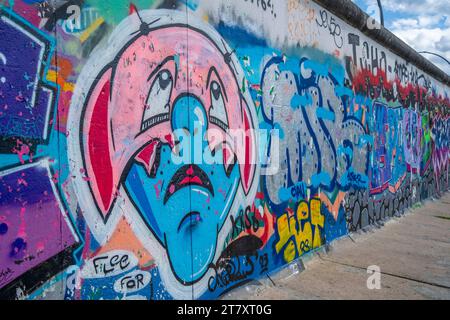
{"type": "Point", "coordinates": [423, 24]}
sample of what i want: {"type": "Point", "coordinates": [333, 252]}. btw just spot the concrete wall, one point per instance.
{"type": "Point", "coordinates": [311, 128]}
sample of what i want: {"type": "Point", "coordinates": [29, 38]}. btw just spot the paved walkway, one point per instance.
{"type": "Point", "coordinates": [413, 253]}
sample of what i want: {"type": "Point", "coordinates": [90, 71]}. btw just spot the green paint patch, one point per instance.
{"type": "Point", "coordinates": [243, 85]}
{"type": "Point", "coordinates": [416, 206]}
{"type": "Point", "coordinates": [271, 90]}
{"type": "Point", "coordinates": [114, 11]}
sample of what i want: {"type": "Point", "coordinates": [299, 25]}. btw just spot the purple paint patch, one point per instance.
{"type": "Point", "coordinates": [36, 230]}
{"type": "Point", "coordinates": [22, 61]}
{"type": "Point", "coordinates": [3, 228]}
{"type": "Point", "coordinates": [18, 248]}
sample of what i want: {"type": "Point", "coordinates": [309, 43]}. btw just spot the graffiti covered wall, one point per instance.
{"type": "Point", "coordinates": [179, 149]}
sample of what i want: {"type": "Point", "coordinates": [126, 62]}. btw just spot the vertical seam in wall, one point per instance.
{"type": "Point", "coordinates": [190, 147]}
{"type": "Point", "coordinates": [58, 142]}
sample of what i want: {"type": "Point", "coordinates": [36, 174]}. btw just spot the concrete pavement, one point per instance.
{"type": "Point", "coordinates": [413, 253]}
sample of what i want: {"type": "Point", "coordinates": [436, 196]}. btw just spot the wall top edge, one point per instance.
{"type": "Point", "coordinates": [356, 17]}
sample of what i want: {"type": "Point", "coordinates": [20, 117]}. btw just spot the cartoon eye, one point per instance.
{"type": "Point", "coordinates": [157, 104]}
{"type": "Point", "coordinates": [217, 112]}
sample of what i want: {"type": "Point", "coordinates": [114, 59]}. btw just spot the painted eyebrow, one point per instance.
{"type": "Point", "coordinates": [159, 67]}
{"type": "Point", "coordinates": [211, 71]}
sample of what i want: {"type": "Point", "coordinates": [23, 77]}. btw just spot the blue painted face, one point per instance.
{"type": "Point", "coordinates": [186, 204]}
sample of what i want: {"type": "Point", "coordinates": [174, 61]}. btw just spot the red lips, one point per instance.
{"type": "Point", "coordinates": [191, 180]}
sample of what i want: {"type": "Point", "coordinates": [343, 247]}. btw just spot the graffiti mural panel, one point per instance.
{"type": "Point", "coordinates": [180, 149]}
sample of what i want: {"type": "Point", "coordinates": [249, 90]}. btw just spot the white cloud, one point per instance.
{"type": "Point", "coordinates": [418, 7]}
{"type": "Point", "coordinates": [405, 23]}
{"type": "Point", "coordinates": [423, 39]}
{"type": "Point", "coordinates": [422, 21]}
{"type": "Point", "coordinates": [444, 44]}
{"type": "Point", "coordinates": [423, 24]}
{"type": "Point", "coordinates": [429, 20]}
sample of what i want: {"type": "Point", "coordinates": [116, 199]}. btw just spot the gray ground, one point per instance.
{"type": "Point", "coordinates": [413, 253]}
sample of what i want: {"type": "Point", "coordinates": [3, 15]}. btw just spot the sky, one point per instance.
{"type": "Point", "coordinates": [423, 24]}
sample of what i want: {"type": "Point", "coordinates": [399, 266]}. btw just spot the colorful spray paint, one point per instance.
{"type": "Point", "coordinates": [179, 149]}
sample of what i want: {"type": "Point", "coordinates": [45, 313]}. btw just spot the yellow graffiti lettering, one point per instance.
{"type": "Point", "coordinates": [296, 232]}
{"type": "Point", "coordinates": [317, 220]}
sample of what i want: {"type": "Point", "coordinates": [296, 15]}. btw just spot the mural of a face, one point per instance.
{"type": "Point", "coordinates": [167, 84]}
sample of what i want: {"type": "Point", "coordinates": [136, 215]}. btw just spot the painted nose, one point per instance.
{"type": "Point", "coordinates": [189, 114]}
